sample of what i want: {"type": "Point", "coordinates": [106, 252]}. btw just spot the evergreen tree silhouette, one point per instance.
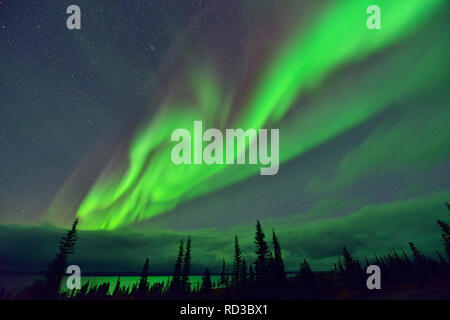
{"type": "Point", "coordinates": [143, 281]}
{"type": "Point", "coordinates": [223, 274]}
{"type": "Point", "coordinates": [441, 258]}
{"type": "Point", "coordinates": [278, 274]}
{"type": "Point", "coordinates": [116, 291]}
{"type": "Point", "coordinates": [227, 277]}
{"type": "Point", "coordinates": [419, 257]}
{"type": "Point", "coordinates": [270, 267]}
{"type": "Point", "coordinates": [421, 263]}
{"type": "Point", "coordinates": [339, 266]}
{"type": "Point", "coordinates": [243, 274]}
{"type": "Point", "coordinates": [397, 268]}
{"type": "Point", "coordinates": [350, 264]}
{"type": "Point", "coordinates": [206, 284]}
{"type": "Point", "coordinates": [366, 261]}
{"type": "Point", "coordinates": [352, 269]}
{"type": "Point", "coordinates": [186, 284]}
{"type": "Point", "coordinates": [56, 269]}
{"type": "Point", "coordinates": [176, 284]}
{"type": "Point", "coordinates": [445, 229]}
{"type": "Point", "coordinates": [405, 257]}
{"type": "Point", "coordinates": [307, 281]}
{"type": "Point", "coordinates": [263, 256]}
{"type": "Point", "coordinates": [251, 275]}
{"type": "Point", "coordinates": [237, 262]}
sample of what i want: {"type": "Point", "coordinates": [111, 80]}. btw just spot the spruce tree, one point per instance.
{"type": "Point", "coordinates": [175, 286]}
{"type": "Point", "coordinates": [305, 270]}
{"type": "Point", "coordinates": [351, 265]}
{"type": "Point", "coordinates": [405, 258]}
{"type": "Point", "coordinates": [116, 291]}
{"type": "Point", "coordinates": [340, 266]}
{"type": "Point", "coordinates": [445, 228]}
{"type": "Point", "coordinates": [278, 272]}
{"type": "Point", "coordinates": [243, 273]}
{"type": "Point", "coordinates": [223, 274]}
{"type": "Point", "coordinates": [441, 258]}
{"type": "Point", "coordinates": [186, 284]}
{"type": "Point", "coordinates": [237, 262]}
{"type": "Point", "coordinates": [227, 277]}
{"type": "Point", "coordinates": [367, 261]}
{"type": "Point", "coordinates": [352, 269]}
{"type": "Point", "coordinates": [420, 267]}
{"type": "Point", "coordinates": [206, 284]}
{"type": "Point", "coordinates": [262, 256]}
{"type": "Point", "coordinates": [143, 281]}
{"type": "Point", "coordinates": [251, 275]}
{"type": "Point", "coordinates": [307, 281]}
{"type": "Point", "coordinates": [56, 269]}
{"type": "Point", "coordinates": [419, 257]}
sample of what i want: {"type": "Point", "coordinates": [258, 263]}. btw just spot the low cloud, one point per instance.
{"type": "Point", "coordinates": [372, 229]}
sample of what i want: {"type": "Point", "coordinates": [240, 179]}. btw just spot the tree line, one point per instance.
{"type": "Point", "coordinates": [264, 278]}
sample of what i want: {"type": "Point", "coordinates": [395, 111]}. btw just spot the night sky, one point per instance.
{"type": "Point", "coordinates": [86, 117]}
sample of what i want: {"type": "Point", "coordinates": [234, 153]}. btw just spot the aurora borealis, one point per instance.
{"type": "Point", "coordinates": [362, 115]}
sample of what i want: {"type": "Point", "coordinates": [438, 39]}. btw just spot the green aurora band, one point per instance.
{"type": "Point", "coordinates": [336, 39]}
